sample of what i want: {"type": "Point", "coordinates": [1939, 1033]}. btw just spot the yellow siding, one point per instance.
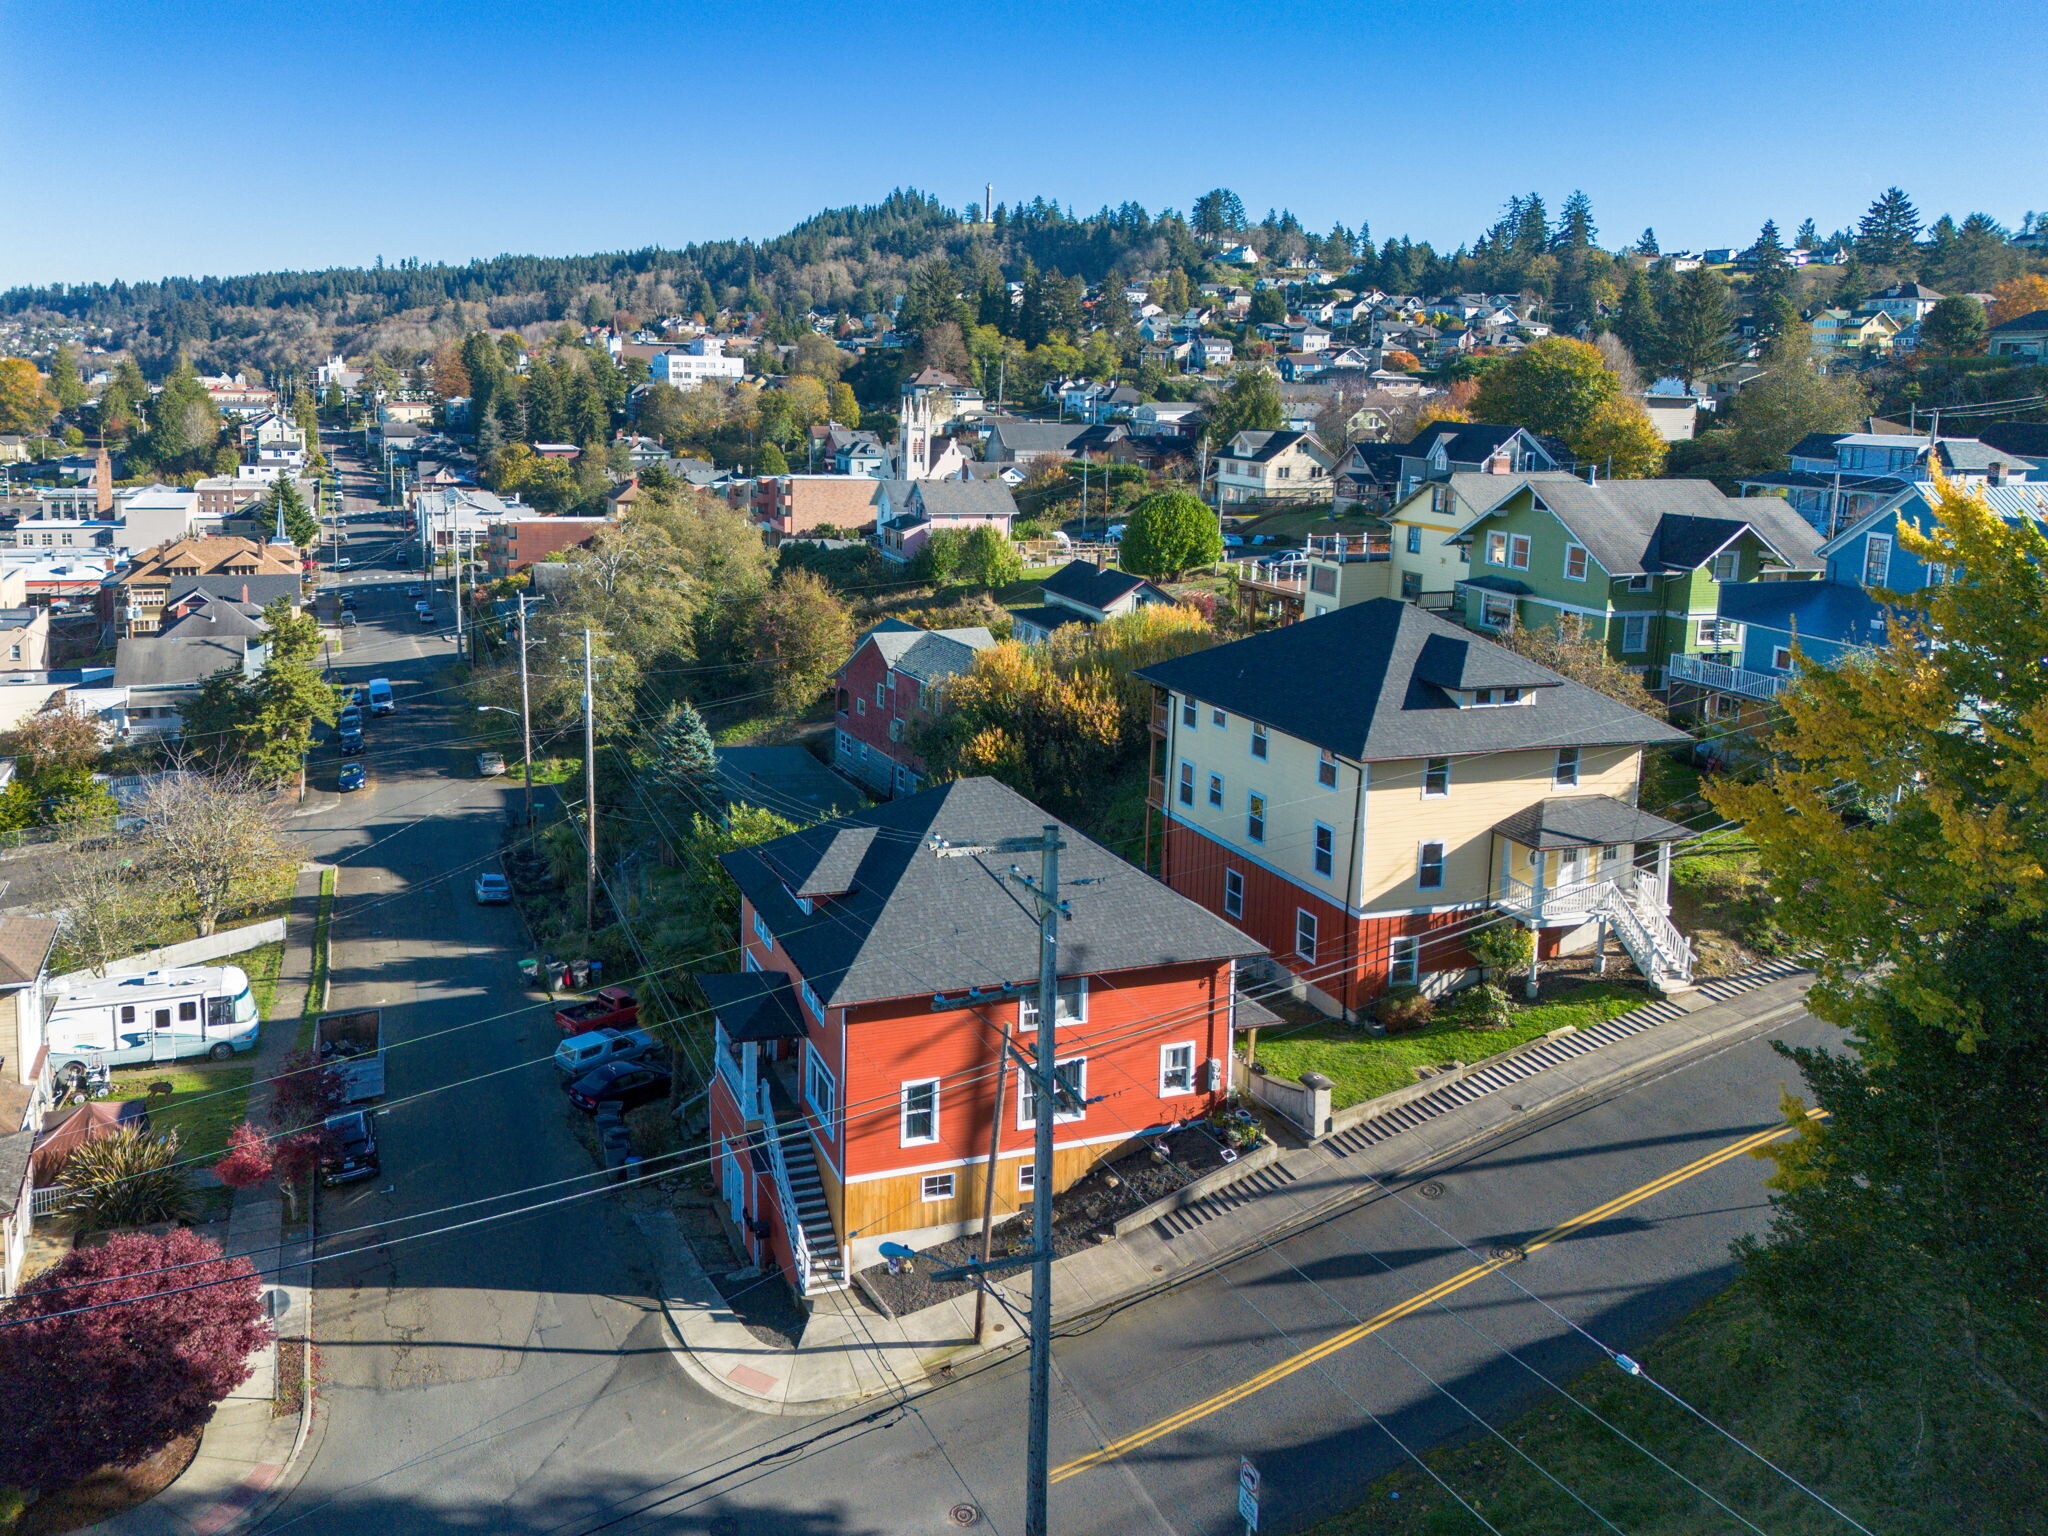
{"type": "Point", "coordinates": [1295, 802]}
{"type": "Point", "coordinates": [897, 1204]}
{"type": "Point", "coordinates": [1440, 565]}
{"type": "Point", "coordinates": [1483, 791]}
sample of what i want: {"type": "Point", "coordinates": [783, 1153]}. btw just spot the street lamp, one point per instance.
{"type": "Point", "coordinates": [525, 742]}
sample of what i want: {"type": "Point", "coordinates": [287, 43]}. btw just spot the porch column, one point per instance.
{"type": "Point", "coordinates": [1537, 867]}
{"type": "Point", "coordinates": [1664, 877]}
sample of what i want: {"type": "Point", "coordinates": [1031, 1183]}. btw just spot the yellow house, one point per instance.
{"type": "Point", "coordinates": [1425, 564]}
{"type": "Point", "coordinates": [1839, 334]}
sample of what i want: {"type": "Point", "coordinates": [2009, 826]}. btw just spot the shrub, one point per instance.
{"type": "Point", "coordinates": [117, 1384]}
{"type": "Point", "coordinates": [1402, 1008]}
{"type": "Point", "coordinates": [1170, 532]}
{"type": "Point", "coordinates": [1485, 1006]}
{"type": "Point", "coordinates": [1505, 947]}
{"type": "Point", "coordinates": [128, 1179]}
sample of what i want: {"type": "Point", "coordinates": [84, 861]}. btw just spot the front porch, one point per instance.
{"type": "Point", "coordinates": [1570, 861]}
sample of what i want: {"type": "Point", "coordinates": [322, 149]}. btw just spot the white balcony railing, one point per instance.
{"type": "Point", "coordinates": [1723, 678]}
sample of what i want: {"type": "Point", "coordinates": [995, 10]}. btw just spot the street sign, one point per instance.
{"type": "Point", "coordinates": [1248, 1492]}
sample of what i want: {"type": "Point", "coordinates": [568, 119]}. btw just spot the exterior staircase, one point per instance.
{"type": "Point", "coordinates": [1652, 941]}
{"type": "Point", "coordinates": [806, 1217]}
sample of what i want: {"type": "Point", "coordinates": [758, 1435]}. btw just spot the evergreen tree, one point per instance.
{"type": "Point", "coordinates": [1218, 214]}
{"type": "Point", "coordinates": [1852, 284]}
{"type": "Point", "coordinates": [681, 759]}
{"type": "Point", "coordinates": [284, 503]}
{"type": "Point", "coordinates": [1575, 231]}
{"type": "Point", "coordinates": [1955, 326]}
{"type": "Point", "coordinates": [1885, 235]}
{"type": "Point", "coordinates": [65, 383]}
{"type": "Point", "coordinates": [1698, 324]}
{"type": "Point", "coordinates": [1646, 245]}
{"type": "Point", "coordinates": [1637, 324]}
{"type": "Point", "coordinates": [1807, 235]}
{"type": "Point", "coordinates": [1772, 270]}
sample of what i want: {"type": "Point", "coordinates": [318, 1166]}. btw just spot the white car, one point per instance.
{"type": "Point", "coordinates": [493, 890]}
{"type": "Point", "coordinates": [490, 764]}
{"type": "Point", "coordinates": [343, 563]}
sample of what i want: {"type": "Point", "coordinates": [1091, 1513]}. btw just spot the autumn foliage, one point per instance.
{"type": "Point", "coordinates": [2017, 296]}
{"type": "Point", "coordinates": [1057, 722]}
{"type": "Point", "coordinates": [117, 1383]}
{"type": "Point", "coordinates": [250, 1159]}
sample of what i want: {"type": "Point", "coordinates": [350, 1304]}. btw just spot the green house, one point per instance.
{"type": "Point", "coordinates": [1638, 564]}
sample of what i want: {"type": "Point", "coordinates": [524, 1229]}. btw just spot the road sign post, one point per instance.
{"type": "Point", "coordinates": [1248, 1493]}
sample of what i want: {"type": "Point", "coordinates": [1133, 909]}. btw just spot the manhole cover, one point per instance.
{"type": "Point", "coordinates": [965, 1514]}
{"type": "Point", "coordinates": [1431, 1191]}
{"type": "Point", "coordinates": [1508, 1253]}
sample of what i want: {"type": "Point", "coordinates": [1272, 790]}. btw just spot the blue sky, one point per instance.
{"type": "Point", "coordinates": [153, 137]}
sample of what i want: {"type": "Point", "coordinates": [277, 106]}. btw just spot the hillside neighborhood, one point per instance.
{"type": "Point", "coordinates": [949, 778]}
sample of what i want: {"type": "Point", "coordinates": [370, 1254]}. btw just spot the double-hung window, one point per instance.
{"type": "Point", "coordinates": [1566, 774]}
{"type": "Point", "coordinates": [1219, 719]}
{"type": "Point", "coordinates": [1072, 1004]}
{"type": "Point", "coordinates": [1518, 551]}
{"type": "Point", "coordinates": [1496, 549]}
{"type": "Point", "coordinates": [820, 1086]}
{"type": "Point", "coordinates": [1216, 790]}
{"type": "Point", "coordinates": [1325, 850]}
{"type": "Point", "coordinates": [1727, 565]}
{"type": "Point", "coordinates": [1414, 538]}
{"type": "Point", "coordinates": [1326, 770]}
{"type": "Point", "coordinates": [1072, 1104]}
{"type": "Point", "coordinates": [881, 695]}
{"type": "Point", "coordinates": [1635, 633]}
{"type": "Point", "coordinates": [1575, 562]}
{"type": "Point", "coordinates": [1877, 559]}
{"type": "Point", "coordinates": [1187, 713]}
{"type": "Point", "coordinates": [1258, 741]}
{"type": "Point", "coordinates": [1436, 778]}
{"type": "Point", "coordinates": [921, 1112]}
{"type": "Point", "coordinates": [1233, 893]}
{"type": "Point", "coordinates": [1187, 783]}
{"type": "Point", "coordinates": [1404, 962]}
{"type": "Point", "coordinates": [1429, 867]}
{"type": "Point", "coordinates": [1176, 1068]}
{"type": "Point", "coordinates": [761, 930]}
{"type": "Point", "coordinates": [810, 996]}
{"type": "Point", "coordinates": [1305, 934]}
{"type": "Point", "coordinates": [1255, 817]}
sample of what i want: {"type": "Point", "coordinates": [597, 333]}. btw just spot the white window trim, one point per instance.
{"type": "Point", "coordinates": [937, 1186]}
{"type": "Point", "coordinates": [1422, 864]}
{"type": "Point", "coordinates": [1028, 1091]}
{"type": "Point", "coordinates": [1519, 543]}
{"type": "Point", "coordinates": [1314, 931]}
{"type": "Point", "coordinates": [1166, 1091]}
{"type": "Point", "coordinates": [1497, 549]}
{"type": "Point", "coordinates": [817, 1069]}
{"type": "Point", "coordinates": [1027, 1005]}
{"type": "Point", "coordinates": [1230, 875]}
{"type": "Point", "coordinates": [1436, 794]}
{"type": "Point", "coordinates": [1585, 562]}
{"type": "Point", "coordinates": [1781, 657]}
{"type": "Point", "coordinates": [1635, 633]}
{"type": "Point", "coordinates": [1027, 1171]}
{"type": "Point", "coordinates": [1404, 960]}
{"type": "Point", "coordinates": [904, 1138]}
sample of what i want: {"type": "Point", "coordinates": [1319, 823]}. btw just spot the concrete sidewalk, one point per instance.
{"type": "Point", "coordinates": [850, 1353]}
{"type": "Point", "coordinates": [247, 1445]}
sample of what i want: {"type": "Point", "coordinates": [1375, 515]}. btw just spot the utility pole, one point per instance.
{"type": "Point", "coordinates": [589, 796]}
{"type": "Point", "coordinates": [525, 716]}
{"type": "Point", "coordinates": [458, 593]}
{"type": "Point", "coordinates": [1046, 1094]}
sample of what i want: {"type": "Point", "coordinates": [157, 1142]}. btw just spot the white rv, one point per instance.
{"type": "Point", "coordinates": [191, 1011]}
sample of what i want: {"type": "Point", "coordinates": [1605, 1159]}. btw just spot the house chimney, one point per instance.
{"type": "Point", "coordinates": [1498, 462]}
{"type": "Point", "coordinates": [103, 481]}
{"type": "Point", "coordinates": [1592, 474]}
{"type": "Point", "coordinates": [245, 592]}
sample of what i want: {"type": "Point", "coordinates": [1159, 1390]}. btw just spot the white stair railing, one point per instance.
{"type": "Point", "coordinates": [800, 1250]}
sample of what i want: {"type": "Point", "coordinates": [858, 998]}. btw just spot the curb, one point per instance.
{"type": "Point", "coordinates": [1366, 1186]}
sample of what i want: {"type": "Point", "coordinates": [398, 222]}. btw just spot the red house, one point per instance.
{"type": "Point", "coordinates": [889, 684]}
{"type": "Point", "coordinates": [859, 1051]}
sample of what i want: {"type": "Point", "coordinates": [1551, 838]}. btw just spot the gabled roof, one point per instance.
{"type": "Point", "coordinates": [1356, 682]}
{"type": "Point", "coordinates": [929, 655]}
{"type": "Point", "coordinates": [1476, 441]}
{"type": "Point", "coordinates": [2008, 501]}
{"type": "Point", "coordinates": [913, 924]}
{"type": "Point", "coordinates": [1263, 447]}
{"type": "Point", "coordinates": [1081, 581]}
{"type": "Point", "coordinates": [2036, 320]}
{"type": "Point", "coordinates": [166, 661]}
{"type": "Point", "coordinates": [965, 498]}
{"type": "Point", "coordinates": [1641, 527]}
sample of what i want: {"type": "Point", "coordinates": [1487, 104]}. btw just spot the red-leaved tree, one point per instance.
{"type": "Point", "coordinates": [305, 1091]}
{"type": "Point", "coordinates": [146, 1364]}
{"type": "Point", "coordinates": [295, 1158]}
{"type": "Point", "coordinates": [251, 1159]}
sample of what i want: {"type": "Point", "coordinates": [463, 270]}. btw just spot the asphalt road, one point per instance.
{"type": "Point", "coordinates": [511, 1377]}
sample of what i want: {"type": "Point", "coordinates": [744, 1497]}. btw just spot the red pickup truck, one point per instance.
{"type": "Point", "coordinates": [606, 1008]}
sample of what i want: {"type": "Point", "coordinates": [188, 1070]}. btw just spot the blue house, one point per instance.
{"type": "Point", "coordinates": [1826, 619]}
{"type": "Point", "coordinates": [1835, 479]}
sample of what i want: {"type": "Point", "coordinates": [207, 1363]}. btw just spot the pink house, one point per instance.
{"type": "Point", "coordinates": [913, 510]}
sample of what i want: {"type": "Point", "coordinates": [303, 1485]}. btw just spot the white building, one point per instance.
{"type": "Point", "coordinates": [696, 360]}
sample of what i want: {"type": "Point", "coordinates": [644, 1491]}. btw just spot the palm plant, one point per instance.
{"type": "Point", "coordinates": [128, 1179]}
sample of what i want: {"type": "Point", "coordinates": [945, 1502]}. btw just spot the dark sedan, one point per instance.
{"type": "Point", "coordinates": [624, 1083]}
{"type": "Point", "coordinates": [351, 1151]}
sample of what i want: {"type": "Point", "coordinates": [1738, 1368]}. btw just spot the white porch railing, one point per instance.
{"type": "Point", "coordinates": [1632, 900]}
{"type": "Point", "coordinates": [1720, 676]}
{"type": "Point", "coordinates": [792, 1223]}
{"type": "Point", "coordinates": [47, 1199]}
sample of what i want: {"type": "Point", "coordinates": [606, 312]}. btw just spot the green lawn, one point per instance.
{"type": "Point", "coordinates": [207, 1101]}
{"type": "Point", "coordinates": [1364, 1066]}
{"type": "Point", "coordinates": [261, 965]}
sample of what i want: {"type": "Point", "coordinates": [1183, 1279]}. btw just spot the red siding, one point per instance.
{"type": "Point", "coordinates": [1353, 955]}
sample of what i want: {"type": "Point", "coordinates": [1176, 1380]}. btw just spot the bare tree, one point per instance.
{"type": "Point", "coordinates": [1622, 362]}
{"type": "Point", "coordinates": [67, 736]}
{"type": "Point", "coordinates": [213, 842]}
{"type": "Point", "coordinates": [106, 910]}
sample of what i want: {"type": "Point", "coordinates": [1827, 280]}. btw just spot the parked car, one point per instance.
{"type": "Point", "coordinates": [580, 1055]}
{"type": "Point", "coordinates": [352, 777]}
{"type": "Point", "coordinates": [619, 1082]}
{"type": "Point", "coordinates": [606, 1008]}
{"type": "Point", "coordinates": [351, 1150]}
{"type": "Point", "coordinates": [493, 890]}
{"type": "Point", "coordinates": [343, 562]}
{"type": "Point", "coordinates": [348, 601]}
{"type": "Point", "coordinates": [381, 702]}
{"type": "Point", "coordinates": [352, 742]}
{"type": "Point", "coordinates": [490, 764]}
{"type": "Point", "coordinates": [348, 618]}
{"type": "Point", "coordinates": [350, 718]}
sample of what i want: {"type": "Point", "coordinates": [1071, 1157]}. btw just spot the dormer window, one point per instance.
{"type": "Point", "coordinates": [1496, 698]}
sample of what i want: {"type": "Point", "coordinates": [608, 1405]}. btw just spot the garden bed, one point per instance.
{"type": "Point", "coordinates": [107, 1492]}
{"type": "Point", "coordinates": [1363, 1066]}
{"type": "Point", "coordinates": [1082, 1215]}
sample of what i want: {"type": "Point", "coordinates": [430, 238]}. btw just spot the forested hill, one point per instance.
{"type": "Point", "coordinates": [852, 259]}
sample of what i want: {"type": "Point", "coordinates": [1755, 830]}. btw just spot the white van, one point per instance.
{"type": "Point", "coordinates": [163, 1016]}
{"type": "Point", "coordinates": [585, 1053]}
{"type": "Point", "coordinates": [381, 702]}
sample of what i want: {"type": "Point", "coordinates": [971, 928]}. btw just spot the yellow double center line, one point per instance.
{"type": "Point", "coordinates": [1435, 1293]}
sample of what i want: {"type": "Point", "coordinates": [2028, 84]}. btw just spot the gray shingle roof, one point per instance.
{"type": "Point", "coordinates": [1636, 527]}
{"type": "Point", "coordinates": [929, 655]}
{"type": "Point", "coordinates": [753, 1005]}
{"type": "Point", "coordinates": [916, 924]}
{"type": "Point", "coordinates": [965, 498]}
{"type": "Point", "coordinates": [1355, 682]}
{"type": "Point", "coordinates": [162, 661]}
{"type": "Point", "coordinates": [2035, 320]}
{"type": "Point", "coordinates": [1083, 582]}
{"type": "Point", "coordinates": [1579, 821]}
